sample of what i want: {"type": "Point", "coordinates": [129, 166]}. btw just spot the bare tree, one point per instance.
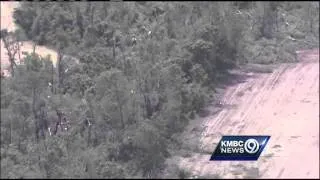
{"type": "Point", "coordinates": [12, 45]}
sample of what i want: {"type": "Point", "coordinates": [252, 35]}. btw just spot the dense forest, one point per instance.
{"type": "Point", "coordinates": [129, 78]}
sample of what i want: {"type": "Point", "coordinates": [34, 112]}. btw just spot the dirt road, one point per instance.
{"type": "Point", "coordinates": [7, 22]}
{"type": "Point", "coordinates": [285, 105]}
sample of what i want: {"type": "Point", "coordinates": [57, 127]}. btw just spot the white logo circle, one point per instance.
{"type": "Point", "coordinates": [251, 146]}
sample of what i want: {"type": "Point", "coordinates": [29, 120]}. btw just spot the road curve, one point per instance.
{"type": "Point", "coordinates": [285, 105]}
{"type": "Point", "coordinates": [7, 22]}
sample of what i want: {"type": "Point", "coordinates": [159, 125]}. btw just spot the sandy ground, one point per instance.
{"type": "Point", "coordinates": [285, 105]}
{"type": "Point", "coordinates": [7, 22]}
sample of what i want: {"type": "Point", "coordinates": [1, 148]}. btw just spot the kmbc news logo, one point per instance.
{"type": "Point", "coordinates": [239, 148]}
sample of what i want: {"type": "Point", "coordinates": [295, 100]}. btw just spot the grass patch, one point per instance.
{"type": "Point", "coordinates": [259, 68]}
{"type": "Point", "coordinates": [252, 173]}
{"type": "Point", "coordinates": [183, 174]}
{"type": "Point", "coordinates": [240, 94]}
{"type": "Point", "coordinates": [269, 155]}
{"type": "Point", "coordinates": [214, 176]}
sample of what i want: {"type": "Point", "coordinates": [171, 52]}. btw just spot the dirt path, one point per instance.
{"type": "Point", "coordinates": [285, 105]}
{"type": "Point", "coordinates": [8, 23]}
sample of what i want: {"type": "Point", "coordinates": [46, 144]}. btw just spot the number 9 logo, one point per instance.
{"type": "Point", "coordinates": [251, 146]}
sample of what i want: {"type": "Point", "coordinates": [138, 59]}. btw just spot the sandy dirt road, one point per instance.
{"type": "Point", "coordinates": [285, 105]}
{"type": "Point", "coordinates": [7, 22]}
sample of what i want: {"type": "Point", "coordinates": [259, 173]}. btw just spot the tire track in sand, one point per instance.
{"type": "Point", "coordinates": [283, 104]}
